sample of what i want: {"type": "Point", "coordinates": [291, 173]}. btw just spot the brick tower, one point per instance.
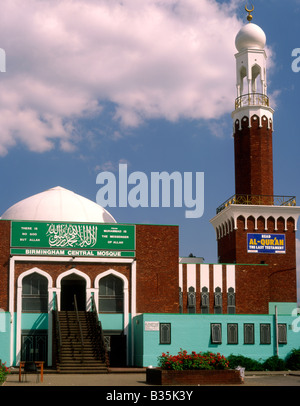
{"type": "Point", "coordinates": [255, 227]}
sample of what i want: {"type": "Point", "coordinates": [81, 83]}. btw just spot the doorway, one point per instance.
{"type": "Point", "coordinates": [115, 342]}
{"type": "Point", "coordinates": [73, 285]}
{"type": "Point", "coordinates": [34, 345]}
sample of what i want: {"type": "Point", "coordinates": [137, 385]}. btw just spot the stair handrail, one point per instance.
{"type": "Point", "coordinates": [100, 330]}
{"type": "Point", "coordinates": [79, 324]}
{"type": "Point", "coordinates": [58, 329]}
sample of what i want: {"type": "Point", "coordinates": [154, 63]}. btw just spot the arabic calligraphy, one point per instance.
{"type": "Point", "coordinates": [70, 235]}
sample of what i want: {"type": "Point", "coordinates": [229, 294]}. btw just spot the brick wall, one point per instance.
{"type": "Point", "coordinates": [253, 157]}
{"type": "Point", "coordinates": [56, 268]}
{"type": "Point", "coordinates": [157, 255]}
{"type": "Point", "coordinates": [156, 376]}
{"type": "Point", "coordinates": [273, 279]}
{"type": "Point", "coordinates": [4, 263]}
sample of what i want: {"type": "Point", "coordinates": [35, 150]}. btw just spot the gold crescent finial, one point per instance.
{"type": "Point", "coordinates": [249, 16]}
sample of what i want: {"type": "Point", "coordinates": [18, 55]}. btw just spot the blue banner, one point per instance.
{"type": "Point", "coordinates": [266, 243]}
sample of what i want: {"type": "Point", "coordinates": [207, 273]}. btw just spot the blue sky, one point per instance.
{"type": "Point", "coordinates": [148, 83]}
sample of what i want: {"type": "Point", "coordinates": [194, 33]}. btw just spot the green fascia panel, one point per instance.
{"type": "Point", "coordinates": [287, 308]}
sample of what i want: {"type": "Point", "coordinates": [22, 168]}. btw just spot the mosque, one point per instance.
{"type": "Point", "coordinates": [80, 291]}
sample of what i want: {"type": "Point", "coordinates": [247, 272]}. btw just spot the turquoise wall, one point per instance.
{"type": "Point", "coordinates": [34, 321]}
{"type": "Point", "coordinates": [191, 332]}
{"type": "Point", "coordinates": [112, 321]}
{"type": "Point", "coordinates": [39, 321]}
{"type": "Point", "coordinates": [138, 323]}
{"type": "Point", "coordinates": [5, 337]}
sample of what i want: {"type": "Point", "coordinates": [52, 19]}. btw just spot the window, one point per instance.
{"type": "Point", "coordinates": [248, 333]}
{"type": "Point", "coordinates": [204, 300]}
{"type": "Point", "coordinates": [111, 295]}
{"type": "Point", "coordinates": [216, 333]}
{"type": "Point", "coordinates": [265, 334]}
{"type": "Point", "coordinates": [165, 333]}
{"type": "Point", "coordinates": [232, 333]}
{"type": "Point", "coordinates": [282, 336]}
{"type": "Point", "coordinates": [218, 301]}
{"type": "Point", "coordinates": [231, 301]}
{"type": "Point", "coordinates": [191, 300]}
{"type": "Point", "coordinates": [35, 293]}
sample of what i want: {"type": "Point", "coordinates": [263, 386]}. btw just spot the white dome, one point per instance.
{"type": "Point", "coordinates": [251, 36]}
{"type": "Point", "coordinates": [58, 204]}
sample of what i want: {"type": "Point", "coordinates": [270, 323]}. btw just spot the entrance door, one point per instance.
{"type": "Point", "coordinates": [73, 285]}
{"type": "Point", "coordinates": [34, 346]}
{"type": "Point", "coordinates": [116, 348]}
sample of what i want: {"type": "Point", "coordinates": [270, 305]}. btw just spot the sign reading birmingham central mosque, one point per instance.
{"type": "Point", "coordinates": [266, 243]}
{"type": "Point", "coordinates": [72, 239]}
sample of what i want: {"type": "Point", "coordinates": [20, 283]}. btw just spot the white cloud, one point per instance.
{"type": "Point", "coordinates": [167, 59]}
{"type": "Point", "coordinates": [111, 166]}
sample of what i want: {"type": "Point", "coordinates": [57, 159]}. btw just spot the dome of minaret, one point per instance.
{"type": "Point", "coordinates": [251, 36]}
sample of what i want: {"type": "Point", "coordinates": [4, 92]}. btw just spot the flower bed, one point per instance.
{"type": "Point", "coordinates": [192, 369]}
{"type": "Point", "coordinates": [184, 361]}
{"type": "Point", "coordinates": [4, 371]}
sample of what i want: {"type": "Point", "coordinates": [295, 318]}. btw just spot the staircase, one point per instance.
{"type": "Point", "coordinates": [75, 358]}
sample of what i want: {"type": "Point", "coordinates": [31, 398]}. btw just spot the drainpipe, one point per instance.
{"type": "Point", "coordinates": [276, 328]}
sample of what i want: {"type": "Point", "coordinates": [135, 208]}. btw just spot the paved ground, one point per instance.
{"type": "Point", "coordinates": [138, 378]}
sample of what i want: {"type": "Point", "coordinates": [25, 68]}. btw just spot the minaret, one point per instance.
{"type": "Point", "coordinates": [252, 117]}
{"type": "Point", "coordinates": [253, 226]}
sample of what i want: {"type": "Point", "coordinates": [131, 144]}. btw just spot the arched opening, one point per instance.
{"type": "Point", "coordinates": [256, 79]}
{"type": "Point", "coordinates": [35, 293]}
{"type": "Point", "coordinates": [71, 285]}
{"type": "Point", "coordinates": [261, 224]}
{"type": "Point", "coordinates": [111, 297]}
{"type": "Point", "coordinates": [251, 223]}
{"type": "Point", "coordinates": [271, 224]}
{"type": "Point", "coordinates": [111, 302]}
{"type": "Point", "coordinates": [34, 342]}
{"type": "Point", "coordinates": [243, 81]}
{"type": "Point", "coordinates": [241, 223]}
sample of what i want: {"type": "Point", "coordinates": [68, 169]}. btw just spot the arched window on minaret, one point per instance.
{"type": "Point", "coordinates": [257, 82]}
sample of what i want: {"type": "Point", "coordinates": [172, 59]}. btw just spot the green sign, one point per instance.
{"type": "Point", "coordinates": [76, 236]}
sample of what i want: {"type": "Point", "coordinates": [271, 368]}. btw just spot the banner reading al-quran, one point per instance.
{"type": "Point", "coordinates": [266, 243]}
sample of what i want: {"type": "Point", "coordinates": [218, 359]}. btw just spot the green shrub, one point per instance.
{"type": "Point", "coordinates": [248, 363]}
{"type": "Point", "coordinates": [293, 360]}
{"type": "Point", "coordinates": [274, 363]}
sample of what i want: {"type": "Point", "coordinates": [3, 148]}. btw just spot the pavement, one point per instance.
{"type": "Point", "coordinates": [118, 377]}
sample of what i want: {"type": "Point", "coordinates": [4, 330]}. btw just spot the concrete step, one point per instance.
{"type": "Point", "coordinates": [74, 358]}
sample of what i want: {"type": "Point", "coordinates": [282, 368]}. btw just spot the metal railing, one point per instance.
{"type": "Point", "coordinates": [79, 325]}
{"type": "Point", "coordinates": [99, 331]}
{"type": "Point", "coordinates": [252, 99]}
{"type": "Point", "coordinates": [58, 329]}
{"type": "Point", "coordinates": [259, 200]}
